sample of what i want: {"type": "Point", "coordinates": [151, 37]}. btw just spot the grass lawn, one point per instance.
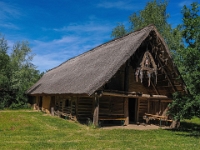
{"type": "Point", "coordinates": [27, 129]}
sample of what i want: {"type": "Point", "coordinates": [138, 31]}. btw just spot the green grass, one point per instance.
{"type": "Point", "coordinates": [27, 129]}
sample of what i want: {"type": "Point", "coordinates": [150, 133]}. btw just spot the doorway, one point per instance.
{"type": "Point", "coordinates": [132, 110]}
{"type": "Point", "coordinates": [40, 102]}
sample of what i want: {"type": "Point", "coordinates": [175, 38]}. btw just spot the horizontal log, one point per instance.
{"type": "Point", "coordinates": [112, 114]}
{"type": "Point", "coordinates": [84, 114]}
{"type": "Point", "coordinates": [112, 118]}
{"type": "Point", "coordinates": [156, 116]}
{"type": "Point", "coordinates": [137, 96]}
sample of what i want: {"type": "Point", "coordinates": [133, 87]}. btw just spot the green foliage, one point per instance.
{"type": "Point", "coordinates": [17, 74]}
{"type": "Point", "coordinates": [4, 60]}
{"type": "Point", "coordinates": [24, 73]}
{"type": "Point", "coordinates": [4, 73]}
{"type": "Point", "coordinates": [182, 107]}
{"type": "Point", "coordinates": [153, 13]}
{"type": "Point", "coordinates": [119, 31]}
{"type": "Point", "coordinates": [187, 59]}
{"type": "Point", "coordinates": [190, 26]}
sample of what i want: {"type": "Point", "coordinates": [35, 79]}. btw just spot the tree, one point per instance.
{"type": "Point", "coordinates": [187, 58]}
{"type": "Point", "coordinates": [4, 73]}
{"type": "Point", "coordinates": [4, 61]}
{"type": "Point", "coordinates": [153, 13]}
{"type": "Point", "coordinates": [17, 74]}
{"type": "Point", "coordinates": [23, 72]}
{"type": "Point", "coordinates": [119, 31]}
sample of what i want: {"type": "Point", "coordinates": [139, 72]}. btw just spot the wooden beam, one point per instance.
{"type": "Point", "coordinates": [155, 88]}
{"type": "Point", "coordinates": [76, 104]}
{"type": "Point", "coordinates": [136, 96]}
{"type": "Point", "coordinates": [166, 75]}
{"type": "Point", "coordinates": [114, 94]}
{"type": "Point", "coordinates": [167, 79]}
{"type": "Point", "coordinates": [126, 115]}
{"type": "Point", "coordinates": [178, 85]}
{"type": "Point", "coordinates": [96, 110]}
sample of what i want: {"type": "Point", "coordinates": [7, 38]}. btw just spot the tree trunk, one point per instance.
{"type": "Point", "coordinates": [175, 124]}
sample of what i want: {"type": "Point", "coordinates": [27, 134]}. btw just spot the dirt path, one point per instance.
{"type": "Point", "coordinates": [136, 127]}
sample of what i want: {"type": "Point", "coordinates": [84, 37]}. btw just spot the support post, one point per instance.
{"type": "Point", "coordinates": [126, 114]}
{"type": "Point", "coordinates": [96, 110]}
{"type": "Point", "coordinates": [126, 89]}
{"type": "Point", "coordinates": [52, 111]}
{"type": "Point", "coordinates": [76, 104]}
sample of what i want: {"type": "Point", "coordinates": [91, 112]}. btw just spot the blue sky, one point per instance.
{"type": "Point", "coordinates": [60, 29]}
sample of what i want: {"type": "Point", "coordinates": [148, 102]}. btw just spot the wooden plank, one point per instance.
{"type": "Point", "coordinates": [112, 119]}
{"type": "Point", "coordinates": [136, 96]}
{"type": "Point", "coordinates": [114, 94]}
{"type": "Point", "coordinates": [157, 116]}
{"type": "Point", "coordinates": [112, 114]}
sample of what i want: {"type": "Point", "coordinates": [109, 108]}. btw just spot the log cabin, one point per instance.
{"type": "Point", "coordinates": [119, 80]}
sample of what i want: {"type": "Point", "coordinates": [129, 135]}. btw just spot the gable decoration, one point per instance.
{"type": "Point", "coordinates": [148, 68]}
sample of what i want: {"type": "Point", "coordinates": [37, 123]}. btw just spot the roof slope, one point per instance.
{"type": "Point", "coordinates": [86, 73]}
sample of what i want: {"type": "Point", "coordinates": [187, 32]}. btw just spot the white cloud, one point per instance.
{"type": "Point", "coordinates": [81, 38]}
{"type": "Point", "coordinates": [71, 40]}
{"type": "Point", "coordinates": [74, 40]}
{"type": "Point", "coordinates": [186, 2]}
{"type": "Point", "coordinates": [47, 61]}
{"type": "Point", "coordinates": [88, 27]}
{"type": "Point", "coordinates": [8, 11]}
{"type": "Point", "coordinates": [120, 4]}
{"type": "Point", "coordinates": [9, 26]}
{"type": "Point", "coordinates": [51, 54]}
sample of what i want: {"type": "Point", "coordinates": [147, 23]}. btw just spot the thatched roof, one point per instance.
{"type": "Point", "coordinates": [88, 72]}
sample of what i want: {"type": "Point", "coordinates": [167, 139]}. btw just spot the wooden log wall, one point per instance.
{"type": "Point", "coordinates": [73, 108]}
{"type": "Point", "coordinates": [111, 107]}
{"type": "Point", "coordinates": [142, 109]}
{"type": "Point", "coordinates": [66, 106]}
{"type": "Point", "coordinates": [59, 106]}
{"type": "Point", "coordinates": [84, 108]}
{"type": "Point", "coordinates": [133, 85]}
{"type": "Point", "coordinates": [155, 107]}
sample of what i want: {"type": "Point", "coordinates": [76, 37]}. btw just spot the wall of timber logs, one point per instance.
{"type": "Point", "coordinates": [85, 108]}
{"type": "Point", "coordinates": [156, 107]}
{"type": "Point", "coordinates": [133, 85]}
{"type": "Point", "coordinates": [82, 108]}
{"type": "Point", "coordinates": [111, 107]}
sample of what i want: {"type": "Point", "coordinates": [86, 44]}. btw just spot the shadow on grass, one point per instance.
{"type": "Point", "coordinates": [188, 129]}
